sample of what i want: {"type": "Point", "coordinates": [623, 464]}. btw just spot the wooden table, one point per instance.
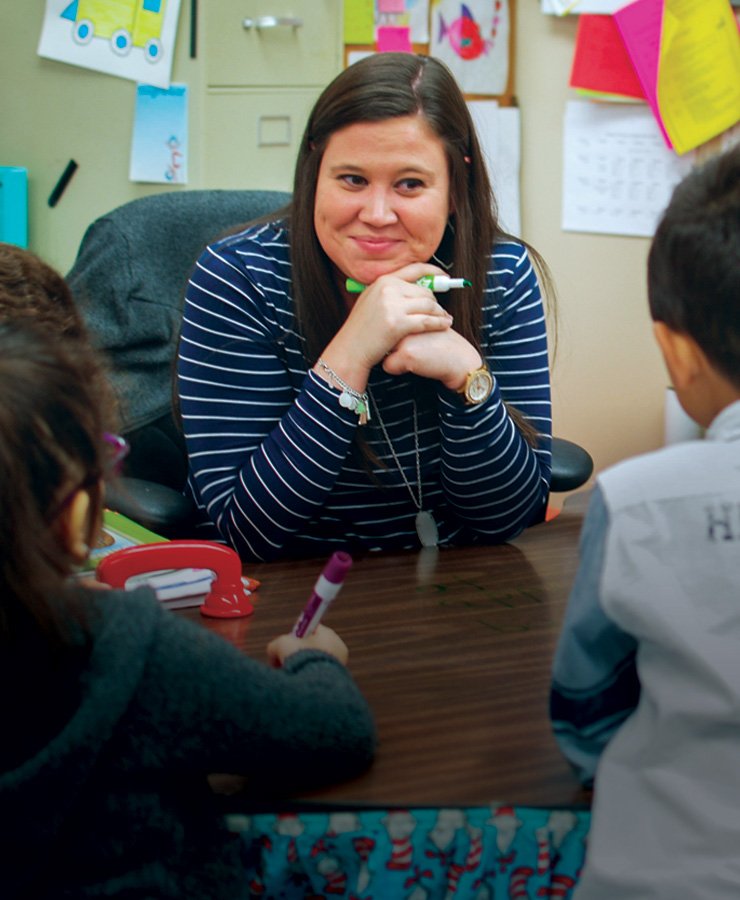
{"type": "Point", "coordinates": [453, 650]}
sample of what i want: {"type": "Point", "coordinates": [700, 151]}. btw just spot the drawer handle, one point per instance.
{"type": "Point", "coordinates": [272, 22]}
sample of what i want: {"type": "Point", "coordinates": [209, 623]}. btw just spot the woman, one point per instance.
{"type": "Point", "coordinates": [317, 417]}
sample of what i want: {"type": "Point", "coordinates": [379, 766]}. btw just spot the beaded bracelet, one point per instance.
{"type": "Point", "coordinates": [349, 398]}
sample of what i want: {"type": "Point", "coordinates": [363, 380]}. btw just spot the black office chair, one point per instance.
{"type": "Point", "coordinates": [129, 280]}
{"type": "Point", "coordinates": [572, 466]}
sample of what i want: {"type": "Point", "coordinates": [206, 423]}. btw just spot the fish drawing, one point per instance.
{"type": "Point", "coordinates": [464, 35]}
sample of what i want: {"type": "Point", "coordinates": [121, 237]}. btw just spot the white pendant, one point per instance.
{"type": "Point", "coordinates": [426, 528]}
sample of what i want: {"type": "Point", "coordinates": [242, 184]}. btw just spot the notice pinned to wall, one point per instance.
{"type": "Point", "coordinates": [364, 19]}
{"type": "Point", "coordinates": [698, 83]}
{"type": "Point", "coordinates": [618, 173]}
{"type": "Point", "coordinates": [579, 7]}
{"type": "Point", "coordinates": [359, 21]}
{"type": "Point", "coordinates": [132, 39]}
{"type": "Point", "coordinates": [499, 130]}
{"type": "Point", "coordinates": [159, 147]}
{"type": "Point", "coordinates": [474, 38]}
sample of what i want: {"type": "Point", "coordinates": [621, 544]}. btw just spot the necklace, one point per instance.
{"type": "Point", "coordinates": [426, 527]}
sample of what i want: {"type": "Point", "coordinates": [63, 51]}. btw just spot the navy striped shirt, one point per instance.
{"type": "Point", "coordinates": [272, 464]}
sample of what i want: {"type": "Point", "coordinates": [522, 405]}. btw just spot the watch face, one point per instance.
{"type": "Point", "coordinates": [479, 387]}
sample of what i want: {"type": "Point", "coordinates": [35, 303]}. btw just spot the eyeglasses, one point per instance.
{"type": "Point", "coordinates": [119, 450]}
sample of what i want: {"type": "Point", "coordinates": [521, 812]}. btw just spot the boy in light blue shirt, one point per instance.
{"type": "Point", "coordinates": [645, 697]}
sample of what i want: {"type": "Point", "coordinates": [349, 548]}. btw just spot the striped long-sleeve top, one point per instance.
{"type": "Point", "coordinates": [274, 465]}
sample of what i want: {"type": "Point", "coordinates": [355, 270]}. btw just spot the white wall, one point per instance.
{"type": "Point", "coordinates": [608, 378]}
{"type": "Point", "coordinates": [51, 112]}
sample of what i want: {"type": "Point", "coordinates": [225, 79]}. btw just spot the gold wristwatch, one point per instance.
{"type": "Point", "coordinates": [477, 387]}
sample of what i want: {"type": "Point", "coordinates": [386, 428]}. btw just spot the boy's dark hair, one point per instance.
{"type": "Point", "coordinates": [694, 262]}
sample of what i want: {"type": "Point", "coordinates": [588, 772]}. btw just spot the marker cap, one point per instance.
{"type": "Point", "coordinates": [336, 569]}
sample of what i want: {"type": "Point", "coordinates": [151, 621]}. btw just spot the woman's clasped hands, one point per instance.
{"type": "Point", "coordinates": [401, 324]}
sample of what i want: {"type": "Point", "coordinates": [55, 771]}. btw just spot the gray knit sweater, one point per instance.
{"type": "Point", "coordinates": [104, 757]}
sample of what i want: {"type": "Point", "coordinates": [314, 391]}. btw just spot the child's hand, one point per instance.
{"type": "Point", "coordinates": [322, 639]}
{"type": "Point", "coordinates": [93, 584]}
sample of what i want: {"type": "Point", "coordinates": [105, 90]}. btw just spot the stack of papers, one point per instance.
{"type": "Point", "coordinates": [681, 56]}
{"type": "Point", "coordinates": [181, 588]}
{"type": "Point", "coordinates": [176, 588]}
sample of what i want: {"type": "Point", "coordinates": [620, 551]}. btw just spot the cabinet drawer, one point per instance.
{"type": "Point", "coordinates": [251, 138]}
{"type": "Point", "coordinates": [273, 54]}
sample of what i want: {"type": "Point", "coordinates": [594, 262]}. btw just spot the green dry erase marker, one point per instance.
{"type": "Point", "coordinates": [438, 284]}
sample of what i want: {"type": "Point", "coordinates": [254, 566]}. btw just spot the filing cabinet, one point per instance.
{"type": "Point", "coordinates": [264, 64]}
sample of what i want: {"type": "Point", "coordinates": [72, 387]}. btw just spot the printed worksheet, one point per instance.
{"type": "Point", "coordinates": [618, 174]}
{"type": "Point", "coordinates": [498, 129]}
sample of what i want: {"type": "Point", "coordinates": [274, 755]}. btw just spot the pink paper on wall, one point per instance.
{"type": "Point", "coordinates": [394, 38]}
{"type": "Point", "coordinates": [391, 6]}
{"type": "Point", "coordinates": [601, 63]}
{"type": "Point", "coordinates": [640, 25]}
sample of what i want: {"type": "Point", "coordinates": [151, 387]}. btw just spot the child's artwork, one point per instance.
{"type": "Point", "coordinates": [129, 38]}
{"type": "Point", "coordinates": [473, 39]}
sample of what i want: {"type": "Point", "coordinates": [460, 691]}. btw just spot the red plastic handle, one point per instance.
{"type": "Point", "coordinates": [227, 598]}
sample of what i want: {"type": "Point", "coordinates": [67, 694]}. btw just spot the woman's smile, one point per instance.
{"type": "Point", "coordinates": [375, 244]}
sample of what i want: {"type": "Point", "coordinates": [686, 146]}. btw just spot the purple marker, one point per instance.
{"type": "Point", "coordinates": [325, 590]}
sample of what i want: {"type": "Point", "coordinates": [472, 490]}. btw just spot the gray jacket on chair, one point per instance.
{"type": "Point", "coordinates": [129, 279]}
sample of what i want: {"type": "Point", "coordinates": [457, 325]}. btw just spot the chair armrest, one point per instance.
{"type": "Point", "coordinates": [157, 507]}
{"type": "Point", "coordinates": [571, 466]}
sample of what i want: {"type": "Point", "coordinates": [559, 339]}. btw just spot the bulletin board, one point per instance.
{"type": "Point", "coordinates": [475, 38]}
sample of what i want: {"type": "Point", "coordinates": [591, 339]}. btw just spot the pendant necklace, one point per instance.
{"type": "Point", "coordinates": [426, 527]}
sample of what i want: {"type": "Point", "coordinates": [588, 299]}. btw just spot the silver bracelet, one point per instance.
{"type": "Point", "coordinates": [349, 398]}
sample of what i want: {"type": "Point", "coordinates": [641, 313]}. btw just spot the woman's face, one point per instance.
{"type": "Point", "coordinates": [382, 196]}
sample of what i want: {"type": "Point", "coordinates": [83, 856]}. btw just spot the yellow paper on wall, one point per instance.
{"type": "Point", "coordinates": [698, 71]}
{"type": "Point", "coordinates": [359, 21]}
